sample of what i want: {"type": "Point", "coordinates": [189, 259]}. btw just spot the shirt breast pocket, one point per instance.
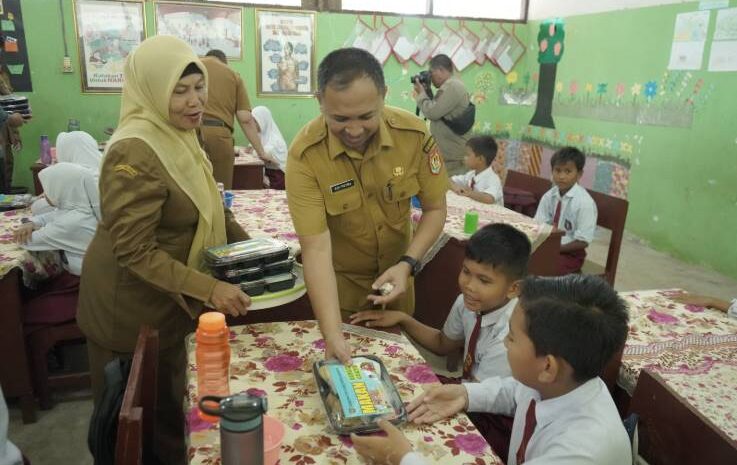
{"type": "Point", "coordinates": [396, 195]}
{"type": "Point", "coordinates": [344, 208]}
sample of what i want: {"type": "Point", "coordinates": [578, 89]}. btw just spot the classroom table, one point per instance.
{"type": "Point", "coordinates": [17, 266]}
{"type": "Point", "coordinates": [248, 170]}
{"type": "Point", "coordinates": [275, 360]}
{"type": "Point", "coordinates": [692, 348]}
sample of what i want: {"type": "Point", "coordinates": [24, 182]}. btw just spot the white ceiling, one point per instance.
{"type": "Point", "coordinates": [541, 9]}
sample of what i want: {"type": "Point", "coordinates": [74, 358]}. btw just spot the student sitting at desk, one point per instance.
{"type": "Point", "coordinates": [561, 335]}
{"type": "Point", "coordinates": [481, 183]}
{"type": "Point", "coordinates": [570, 208]}
{"type": "Point", "coordinates": [496, 262]}
{"type": "Point", "coordinates": [275, 148]}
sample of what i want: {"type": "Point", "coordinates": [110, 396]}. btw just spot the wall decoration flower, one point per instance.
{"type": "Point", "coordinates": [620, 89]}
{"type": "Point", "coordinates": [573, 87]}
{"type": "Point", "coordinates": [512, 77]}
{"type": "Point", "coordinates": [651, 89]}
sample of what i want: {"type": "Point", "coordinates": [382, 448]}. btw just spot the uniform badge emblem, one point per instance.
{"type": "Point", "coordinates": [436, 162]}
{"type": "Point", "coordinates": [398, 171]}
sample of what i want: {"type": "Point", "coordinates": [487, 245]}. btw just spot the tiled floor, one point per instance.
{"type": "Point", "coordinates": [60, 435]}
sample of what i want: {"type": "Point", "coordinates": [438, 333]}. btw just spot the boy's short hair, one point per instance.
{"type": "Point", "coordinates": [483, 146]}
{"type": "Point", "coordinates": [341, 67]}
{"type": "Point", "coordinates": [502, 246]}
{"type": "Point", "coordinates": [567, 154]}
{"type": "Point", "coordinates": [579, 318]}
{"type": "Point", "coordinates": [441, 61]}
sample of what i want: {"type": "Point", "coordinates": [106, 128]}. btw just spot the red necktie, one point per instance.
{"type": "Point", "coordinates": [530, 423]}
{"type": "Point", "coordinates": [556, 216]}
{"type": "Point", "coordinates": [471, 353]}
{"type": "Point", "coordinates": [473, 183]}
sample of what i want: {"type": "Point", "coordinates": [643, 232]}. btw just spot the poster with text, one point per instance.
{"type": "Point", "coordinates": [203, 27]}
{"type": "Point", "coordinates": [286, 52]}
{"type": "Point", "coordinates": [107, 32]}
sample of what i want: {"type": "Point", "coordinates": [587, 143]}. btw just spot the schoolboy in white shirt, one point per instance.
{"type": "Point", "coordinates": [570, 208]}
{"type": "Point", "coordinates": [481, 183]}
{"type": "Point", "coordinates": [562, 333]}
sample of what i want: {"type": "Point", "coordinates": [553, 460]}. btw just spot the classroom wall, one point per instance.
{"type": "Point", "coordinates": [58, 97]}
{"type": "Point", "coordinates": [682, 180]}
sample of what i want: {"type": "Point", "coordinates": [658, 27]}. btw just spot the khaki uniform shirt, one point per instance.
{"type": "Point", "coordinates": [135, 269]}
{"type": "Point", "coordinates": [363, 199]}
{"type": "Point", "coordinates": [450, 100]}
{"type": "Point", "coordinates": [226, 93]}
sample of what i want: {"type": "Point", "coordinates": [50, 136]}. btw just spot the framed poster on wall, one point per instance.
{"type": "Point", "coordinates": [286, 53]}
{"type": "Point", "coordinates": [203, 27]}
{"type": "Point", "coordinates": [107, 32]}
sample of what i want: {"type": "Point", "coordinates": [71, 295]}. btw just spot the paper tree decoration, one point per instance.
{"type": "Point", "coordinates": [550, 43]}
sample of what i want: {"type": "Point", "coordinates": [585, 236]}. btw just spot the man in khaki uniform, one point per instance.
{"type": "Point", "coordinates": [226, 99]}
{"type": "Point", "coordinates": [449, 102]}
{"type": "Point", "coordinates": [350, 176]}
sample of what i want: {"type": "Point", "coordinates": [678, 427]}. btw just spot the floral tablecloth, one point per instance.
{"type": "Point", "coordinates": [264, 212]}
{"type": "Point", "coordinates": [36, 266]}
{"type": "Point", "coordinates": [692, 348]}
{"type": "Point", "coordinates": [244, 156]}
{"type": "Point", "coordinates": [459, 205]}
{"type": "Point", "coordinates": [275, 359]}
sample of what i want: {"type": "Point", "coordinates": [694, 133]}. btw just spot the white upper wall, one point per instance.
{"type": "Point", "coordinates": [542, 9]}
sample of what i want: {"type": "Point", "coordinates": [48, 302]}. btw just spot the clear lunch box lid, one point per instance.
{"type": "Point", "coordinates": [358, 395]}
{"type": "Point", "coordinates": [260, 247]}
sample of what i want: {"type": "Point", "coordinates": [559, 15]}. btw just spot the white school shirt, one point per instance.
{"type": "Point", "coordinates": [577, 213]}
{"type": "Point", "coordinates": [579, 428]}
{"type": "Point", "coordinates": [491, 355]}
{"type": "Point", "coordinates": [486, 181]}
{"type": "Point", "coordinates": [732, 310]}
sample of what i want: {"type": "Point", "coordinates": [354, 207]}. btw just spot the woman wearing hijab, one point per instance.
{"type": "Point", "coordinates": [160, 211]}
{"type": "Point", "coordinates": [75, 147]}
{"type": "Point", "coordinates": [275, 148]}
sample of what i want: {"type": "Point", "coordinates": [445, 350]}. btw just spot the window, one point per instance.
{"type": "Point", "coordinates": [490, 9]}
{"type": "Point", "coordinates": [297, 3]}
{"type": "Point", "coordinates": [405, 7]}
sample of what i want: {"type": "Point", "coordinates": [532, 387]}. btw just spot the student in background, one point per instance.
{"type": "Point", "coordinates": [570, 208]}
{"type": "Point", "coordinates": [275, 148]}
{"type": "Point", "coordinates": [730, 308]}
{"type": "Point", "coordinates": [495, 264]}
{"type": "Point", "coordinates": [561, 335]}
{"type": "Point", "coordinates": [481, 183]}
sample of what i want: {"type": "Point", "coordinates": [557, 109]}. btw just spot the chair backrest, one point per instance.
{"type": "Point", "coordinates": [136, 421]}
{"type": "Point", "coordinates": [672, 431]}
{"type": "Point", "coordinates": [533, 184]}
{"type": "Point", "coordinates": [612, 214]}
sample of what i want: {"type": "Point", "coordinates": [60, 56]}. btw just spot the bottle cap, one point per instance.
{"type": "Point", "coordinates": [212, 321]}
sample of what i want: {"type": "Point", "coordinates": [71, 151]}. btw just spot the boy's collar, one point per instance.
{"type": "Point", "coordinates": [551, 409]}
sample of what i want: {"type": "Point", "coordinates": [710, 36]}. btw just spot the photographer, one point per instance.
{"type": "Point", "coordinates": [449, 104]}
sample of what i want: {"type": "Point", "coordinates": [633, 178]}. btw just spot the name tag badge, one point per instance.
{"type": "Point", "coordinates": [342, 185]}
{"type": "Point", "coordinates": [568, 225]}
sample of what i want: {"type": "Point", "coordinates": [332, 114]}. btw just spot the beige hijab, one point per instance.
{"type": "Point", "coordinates": [151, 73]}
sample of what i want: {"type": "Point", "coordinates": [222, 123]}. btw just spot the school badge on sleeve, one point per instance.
{"type": "Point", "coordinates": [433, 155]}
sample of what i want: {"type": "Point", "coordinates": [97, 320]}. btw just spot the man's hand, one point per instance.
{"type": "Point", "coordinates": [229, 298]}
{"type": "Point", "coordinates": [438, 402]}
{"type": "Point", "coordinates": [419, 89]}
{"type": "Point", "coordinates": [387, 450]}
{"type": "Point", "coordinates": [378, 318]}
{"type": "Point", "coordinates": [396, 275]}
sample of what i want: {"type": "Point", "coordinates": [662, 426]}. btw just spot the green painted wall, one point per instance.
{"type": "Point", "coordinates": [682, 191]}
{"type": "Point", "coordinates": [58, 97]}
{"type": "Point", "coordinates": [683, 181]}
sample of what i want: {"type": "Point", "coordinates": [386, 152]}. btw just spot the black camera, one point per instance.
{"type": "Point", "coordinates": [424, 79]}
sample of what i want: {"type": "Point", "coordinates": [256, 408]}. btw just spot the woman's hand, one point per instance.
{"type": "Point", "coordinates": [22, 233]}
{"type": "Point", "coordinates": [387, 450]}
{"type": "Point", "coordinates": [229, 298]}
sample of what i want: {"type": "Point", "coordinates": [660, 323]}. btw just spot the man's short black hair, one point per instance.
{"type": "Point", "coordinates": [567, 154]}
{"type": "Point", "coordinates": [441, 61]}
{"type": "Point", "coordinates": [343, 66]}
{"type": "Point", "coordinates": [579, 318]}
{"type": "Point", "coordinates": [483, 146]}
{"type": "Point", "coordinates": [219, 54]}
{"type": "Point", "coordinates": [502, 246]}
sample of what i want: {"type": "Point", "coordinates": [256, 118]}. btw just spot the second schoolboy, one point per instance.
{"type": "Point", "coordinates": [570, 208]}
{"type": "Point", "coordinates": [481, 183]}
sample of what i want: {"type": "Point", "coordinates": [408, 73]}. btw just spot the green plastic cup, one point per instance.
{"type": "Point", "coordinates": [471, 222]}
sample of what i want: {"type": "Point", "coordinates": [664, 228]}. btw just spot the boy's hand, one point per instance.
{"type": "Point", "coordinates": [437, 403]}
{"type": "Point", "coordinates": [692, 299]}
{"type": "Point", "coordinates": [22, 234]}
{"type": "Point", "coordinates": [383, 451]}
{"type": "Point", "coordinates": [378, 318]}
{"type": "Point", "coordinates": [457, 188]}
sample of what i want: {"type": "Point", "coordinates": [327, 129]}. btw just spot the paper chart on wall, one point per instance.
{"type": "Point", "coordinates": [723, 55]}
{"type": "Point", "coordinates": [689, 38]}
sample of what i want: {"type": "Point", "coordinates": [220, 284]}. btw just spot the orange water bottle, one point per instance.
{"type": "Point", "coordinates": [213, 358]}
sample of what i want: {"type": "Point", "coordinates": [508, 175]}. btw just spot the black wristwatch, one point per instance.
{"type": "Point", "coordinates": [413, 264]}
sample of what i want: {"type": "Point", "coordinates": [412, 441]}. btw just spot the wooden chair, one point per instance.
{"type": "Point", "coordinates": [136, 422]}
{"type": "Point", "coordinates": [522, 191]}
{"type": "Point", "coordinates": [671, 431]}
